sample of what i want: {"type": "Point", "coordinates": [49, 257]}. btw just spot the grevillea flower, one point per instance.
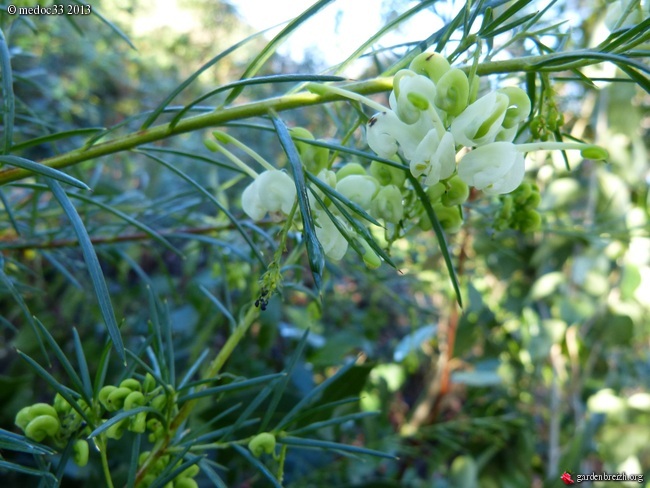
{"type": "Point", "coordinates": [480, 123]}
{"type": "Point", "coordinates": [434, 157]}
{"type": "Point", "coordinates": [334, 243]}
{"type": "Point", "coordinates": [271, 191]}
{"type": "Point", "coordinates": [494, 168]}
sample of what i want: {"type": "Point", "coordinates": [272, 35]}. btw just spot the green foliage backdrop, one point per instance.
{"type": "Point", "coordinates": [154, 332]}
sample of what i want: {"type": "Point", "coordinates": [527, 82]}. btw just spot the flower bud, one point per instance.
{"type": "Point", "coordinates": [132, 384]}
{"type": "Point", "coordinates": [61, 405]}
{"type": "Point", "coordinates": [185, 483]}
{"type": "Point", "coordinates": [263, 443]}
{"type": "Point", "coordinates": [386, 174]}
{"type": "Point", "coordinates": [26, 414]}
{"type": "Point", "coordinates": [115, 400]}
{"type": "Point", "coordinates": [412, 94]}
{"type": "Point", "coordinates": [452, 92]}
{"type": "Point", "coordinates": [149, 383]}
{"type": "Point", "coordinates": [435, 192]}
{"type": "Point", "coordinates": [138, 423]}
{"type": "Point", "coordinates": [334, 243]}
{"type": "Point", "coordinates": [350, 169]}
{"type": "Point", "coordinates": [42, 426]}
{"type": "Point", "coordinates": [495, 168]}
{"type": "Point", "coordinates": [272, 191]}
{"type": "Point", "coordinates": [457, 192]}
{"type": "Point", "coordinates": [80, 453]}
{"type": "Point", "coordinates": [359, 189]}
{"type": "Point", "coordinates": [435, 158]}
{"type": "Point", "coordinates": [116, 431]}
{"type": "Point", "coordinates": [314, 158]}
{"type": "Point", "coordinates": [449, 217]}
{"type": "Point", "coordinates": [480, 123]}
{"type": "Point", "coordinates": [434, 65]}
{"type": "Point", "coordinates": [388, 204]}
{"type": "Point", "coordinates": [133, 400]}
{"type": "Point", "coordinates": [103, 396]}
{"type": "Point", "coordinates": [370, 257]}
{"type": "Point", "coordinates": [528, 220]}
{"type": "Point", "coordinates": [518, 106]}
{"type": "Point", "coordinates": [386, 134]}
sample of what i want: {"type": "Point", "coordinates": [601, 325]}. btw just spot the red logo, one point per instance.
{"type": "Point", "coordinates": [566, 477]}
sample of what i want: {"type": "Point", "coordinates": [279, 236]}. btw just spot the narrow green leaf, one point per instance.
{"type": "Point", "coordinates": [8, 100]}
{"type": "Point", "coordinates": [282, 385]}
{"type": "Point", "coordinates": [149, 370]}
{"type": "Point", "coordinates": [110, 24]}
{"type": "Point", "coordinates": [56, 137]}
{"type": "Point", "coordinates": [20, 443]}
{"type": "Point", "coordinates": [510, 11]}
{"type": "Point", "coordinates": [211, 474]}
{"type": "Point", "coordinates": [314, 248]}
{"type": "Point", "coordinates": [94, 268]}
{"type": "Point", "coordinates": [311, 395]}
{"type": "Point", "coordinates": [159, 109]}
{"type": "Point", "coordinates": [66, 393]}
{"type": "Point", "coordinates": [226, 313]}
{"type": "Point", "coordinates": [63, 359]}
{"type": "Point", "coordinates": [135, 223]}
{"type": "Point", "coordinates": [557, 61]}
{"type": "Point", "coordinates": [235, 385]}
{"type": "Point", "coordinates": [194, 156]}
{"type": "Point", "coordinates": [257, 464]}
{"type": "Point", "coordinates": [338, 420]}
{"type": "Point", "coordinates": [8, 465]}
{"type": "Point", "coordinates": [60, 268]}
{"type": "Point", "coordinates": [440, 235]}
{"type": "Point", "coordinates": [133, 464]}
{"type": "Point", "coordinates": [260, 80]}
{"type": "Point", "coordinates": [195, 436]}
{"type": "Point", "coordinates": [216, 202]}
{"type": "Point", "coordinates": [510, 26]}
{"type": "Point", "coordinates": [43, 170]}
{"type": "Point", "coordinates": [318, 444]}
{"type": "Point", "coordinates": [169, 344]}
{"type": "Point", "coordinates": [18, 298]}
{"type": "Point", "coordinates": [10, 212]}
{"type": "Point", "coordinates": [102, 368]}
{"type": "Point", "coordinates": [274, 43]}
{"type": "Point", "coordinates": [169, 474]}
{"type": "Point", "coordinates": [194, 368]}
{"type": "Point", "coordinates": [83, 364]}
{"type": "Point", "coordinates": [125, 414]}
{"type": "Point", "coordinates": [638, 78]}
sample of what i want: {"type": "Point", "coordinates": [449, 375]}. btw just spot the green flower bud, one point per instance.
{"type": "Point", "coordinates": [116, 431]}
{"type": "Point", "coordinates": [133, 400]}
{"type": "Point", "coordinates": [518, 108]}
{"type": "Point", "coordinates": [132, 384]}
{"type": "Point", "coordinates": [452, 92]}
{"type": "Point", "coordinates": [190, 472]}
{"type": "Point", "coordinates": [80, 453]}
{"type": "Point", "coordinates": [433, 65]}
{"type": "Point", "coordinates": [103, 396]}
{"type": "Point", "coordinates": [149, 383]}
{"type": "Point", "coordinates": [386, 174]}
{"type": "Point", "coordinates": [420, 102]}
{"type": "Point", "coordinates": [138, 423]}
{"type": "Point", "coordinates": [388, 204]}
{"type": "Point", "coordinates": [211, 145]}
{"type": "Point", "coordinates": [115, 400]}
{"type": "Point", "coordinates": [528, 221]}
{"type": "Point", "coordinates": [159, 402]}
{"type": "Point", "coordinates": [449, 218]}
{"type": "Point", "coordinates": [533, 200]}
{"type": "Point", "coordinates": [594, 152]}
{"type": "Point", "coordinates": [314, 158]}
{"type": "Point", "coordinates": [185, 483]}
{"type": "Point", "coordinates": [263, 443]}
{"type": "Point", "coordinates": [522, 193]}
{"type": "Point", "coordinates": [370, 257]}
{"type": "Point", "coordinates": [506, 211]}
{"type": "Point", "coordinates": [350, 169]}
{"type": "Point", "coordinates": [457, 192]}
{"type": "Point", "coordinates": [360, 189]}
{"type": "Point", "coordinates": [435, 192]}
{"type": "Point", "coordinates": [61, 405]}
{"type": "Point", "coordinates": [42, 426]}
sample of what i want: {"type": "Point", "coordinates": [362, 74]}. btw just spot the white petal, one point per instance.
{"type": "Point", "coordinates": [358, 188]}
{"type": "Point", "coordinates": [251, 203]}
{"type": "Point", "coordinates": [333, 242]}
{"type": "Point", "coordinates": [490, 109]}
{"type": "Point", "coordinates": [486, 166]}
{"type": "Point", "coordinates": [277, 191]}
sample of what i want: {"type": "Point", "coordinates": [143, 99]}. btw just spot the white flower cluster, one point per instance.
{"type": "Point", "coordinates": [434, 113]}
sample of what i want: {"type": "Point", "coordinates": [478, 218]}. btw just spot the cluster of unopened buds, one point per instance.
{"type": "Point", "coordinates": [437, 128]}
{"type": "Point", "coordinates": [60, 422]}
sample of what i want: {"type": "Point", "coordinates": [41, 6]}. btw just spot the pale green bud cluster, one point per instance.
{"type": "Point", "coordinates": [60, 422]}
{"type": "Point", "coordinates": [519, 210]}
{"type": "Point", "coordinates": [184, 480]}
{"type": "Point", "coordinates": [56, 423]}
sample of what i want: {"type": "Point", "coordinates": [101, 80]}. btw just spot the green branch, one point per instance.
{"type": "Point", "coordinates": [287, 102]}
